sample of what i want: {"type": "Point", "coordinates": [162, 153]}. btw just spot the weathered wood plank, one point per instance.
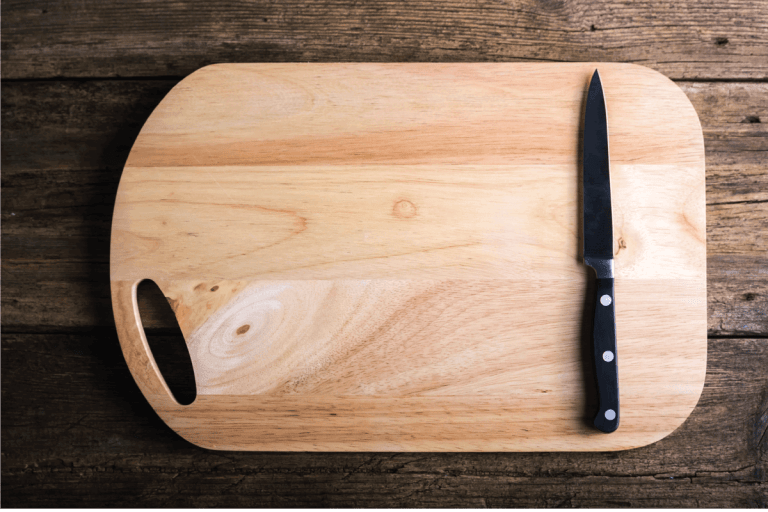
{"type": "Point", "coordinates": [71, 125]}
{"type": "Point", "coordinates": [737, 301]}
{"type": "Point", "coordinates": [704, 39]}
{"type": "Point", "coordinates": [734, 119]}
{"type": "Point", "coordinates": [65, 144]}
{"type": "Point", "coordinates": [289, 490]}
{"type": "Point", "coordinates": [80, 433]}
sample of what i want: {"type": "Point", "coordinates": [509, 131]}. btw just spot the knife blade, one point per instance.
{"type": "Point", "coordinates": [598, 253]}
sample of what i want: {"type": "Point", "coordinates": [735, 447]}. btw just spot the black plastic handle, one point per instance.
{"type": "Point", "coordinates": [606, 360]}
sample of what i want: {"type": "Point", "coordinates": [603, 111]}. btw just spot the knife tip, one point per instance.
{"type": "Point", "coordinates": [595, 81]}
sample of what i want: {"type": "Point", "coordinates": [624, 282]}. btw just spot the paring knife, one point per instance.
{"type": "Point", "coordinates": [598, 253]}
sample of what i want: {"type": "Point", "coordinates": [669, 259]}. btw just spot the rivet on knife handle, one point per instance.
{"type": "Point", "coordinates": [598, 254]}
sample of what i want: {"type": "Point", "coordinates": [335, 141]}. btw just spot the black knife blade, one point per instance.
{"type": "Point", "coordinates": [598, 253]}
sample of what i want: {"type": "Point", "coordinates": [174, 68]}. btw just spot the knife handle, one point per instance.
{"type": "Point", "coordinates": [606, 360]}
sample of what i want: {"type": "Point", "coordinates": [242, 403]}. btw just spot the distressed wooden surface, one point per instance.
{"type": "Point", "coordinates": [81, 434]}
{"type": "Point", "coordinates": [74, 38]}
{"type": "Point", "coordinates": [76, 430]}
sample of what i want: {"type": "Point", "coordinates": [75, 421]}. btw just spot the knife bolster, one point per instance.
{"type": "Point", "coordinates": [603, 267]}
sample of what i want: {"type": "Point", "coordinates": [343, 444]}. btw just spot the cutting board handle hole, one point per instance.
{"type": "Point", "coordinates": [166, 342]}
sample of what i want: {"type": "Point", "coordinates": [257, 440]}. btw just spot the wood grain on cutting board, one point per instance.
{"type": "Point", "coordinates": [386, 256]}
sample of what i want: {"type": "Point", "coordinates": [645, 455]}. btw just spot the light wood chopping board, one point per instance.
{"type": "Point", "coordinates": [387, 256]}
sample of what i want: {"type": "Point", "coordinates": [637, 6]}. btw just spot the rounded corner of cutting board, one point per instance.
{"type": "Point", "coordinates": [206, 443]}
{"type": "Point", "coordinates": [690, 116]}
{"type": "Point", "coordinates": [672, 428]}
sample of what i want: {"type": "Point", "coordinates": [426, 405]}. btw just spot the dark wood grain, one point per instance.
{"type": "Point", "coordinates": [85, 75]}
{"type": "Point", "coordinates": [85, 38]}
{"type": "Point", "coordinates": [82, 429]}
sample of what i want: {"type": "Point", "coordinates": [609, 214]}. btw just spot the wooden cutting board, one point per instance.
{"type": "Point", "coordinates": [386, 256]}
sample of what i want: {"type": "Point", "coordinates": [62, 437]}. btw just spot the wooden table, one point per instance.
{"type": "Point", "coordinates": [79, 80]}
